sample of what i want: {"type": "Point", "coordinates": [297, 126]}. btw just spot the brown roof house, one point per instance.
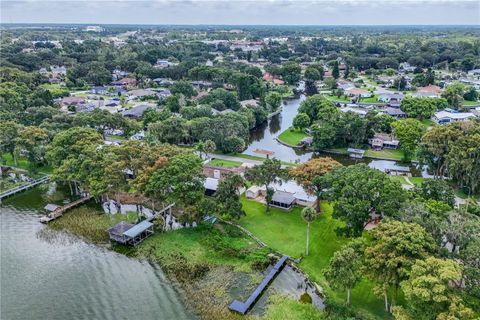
{"type": "Point", "coordinates": [383, 140]}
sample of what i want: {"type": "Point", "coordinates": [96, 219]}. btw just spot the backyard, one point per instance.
{"type": "Point", "coordinates": [224, 163]}
{"type": "Point", "coordinates": [292, 136]}
{"type": "Point", "coordinates": [285, 232]}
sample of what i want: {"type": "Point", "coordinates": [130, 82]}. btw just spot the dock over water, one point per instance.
{"type": "Point", "coordinates": [24, 187]}
{"type": "Point", "coordinates": [243, 307]}
{"type": "Point", "coordinates": [59, 211]}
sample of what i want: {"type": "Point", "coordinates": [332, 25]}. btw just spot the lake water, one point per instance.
{"type": "Point", "coordinates": [264, 137]}
{"type": "Point", "coordinates": [51, 275]}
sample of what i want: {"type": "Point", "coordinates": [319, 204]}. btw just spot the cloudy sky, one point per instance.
{"type": "Point", "coordinates": [279, 12]}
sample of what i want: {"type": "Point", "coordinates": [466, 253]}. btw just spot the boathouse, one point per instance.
{"type": "Point", "coordinates": [126, 233]}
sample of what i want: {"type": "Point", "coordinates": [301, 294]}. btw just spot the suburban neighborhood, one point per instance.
{"type": "Point", "coordinates": [244, 171]}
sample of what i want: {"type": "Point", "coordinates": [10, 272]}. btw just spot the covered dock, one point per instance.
{"type": "Point", "coordinates": [243, 307]}
{"type": "Point", "coordinates": [356, 153]}
{"type": "Point", "coordinates": [131, 234]}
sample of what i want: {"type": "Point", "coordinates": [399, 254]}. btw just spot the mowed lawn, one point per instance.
{"type": "Point", "coordinates": [224, 163]}
{"type": "Point", "coordinates": [285, 231]}
{"type": "Point", "coordinates": [292, 136]}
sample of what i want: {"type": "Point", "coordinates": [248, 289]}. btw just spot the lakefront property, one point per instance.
{"type": "Point", "coordinates": [244, 162]}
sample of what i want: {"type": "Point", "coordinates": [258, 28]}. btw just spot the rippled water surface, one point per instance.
{"type": "Point", "coordinates": [51, 275]}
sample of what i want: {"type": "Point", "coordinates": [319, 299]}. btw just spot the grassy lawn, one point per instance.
{"type": "Point", "coordinates": [394, 154]}
{"type": "Point", "coordinates": [23, 163]}
{"type": "Point", "coordinates": [372, 99]}
{"type": "Point", "coordinates": [286, 232]}
{"type": "Point", "coordinates": [117, 137]}
{"type": "Point", "coordinates": [224, 163]}
{"type": "Point", "coordinates": [250, 157]}
{"type": "Point", "coordinates": [470, 103]}
{"type": "Point", "coordinates": [399, 179]}
{"type": "Point", "coordinates": [292, 136]}
{"type": "Point", "coordinates": [335, 98]}
{"type": "Point", "coordinates": [427, 123]}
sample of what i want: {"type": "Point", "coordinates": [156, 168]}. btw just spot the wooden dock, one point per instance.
{"type": "Point", "coordinates": [58, 212]}
{"type": "Point", "coordinates": [243, 307]}
{"type": "Point", "coordinates": [24, 187]}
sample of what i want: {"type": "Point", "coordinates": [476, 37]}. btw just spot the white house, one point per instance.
{"type": "Point", "coordinates": [448, 116]}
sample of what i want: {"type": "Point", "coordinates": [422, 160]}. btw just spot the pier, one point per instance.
{"type": "Point", "coordinates": [24, 187]}
{"type": "Point", "coordinates": [243, 307]}
{"type": "Point", "coordinates": [59, 211]}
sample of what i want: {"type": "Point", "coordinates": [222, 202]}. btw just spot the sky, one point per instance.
{"type": "Point", "coordinates": [244, 12]}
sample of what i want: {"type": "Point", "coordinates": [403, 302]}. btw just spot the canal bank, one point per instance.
{"type": "Point", "coordinates": [265, 137]}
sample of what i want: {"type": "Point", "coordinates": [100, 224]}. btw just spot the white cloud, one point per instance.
{"type": "Point", "coordinates": [278, 12]}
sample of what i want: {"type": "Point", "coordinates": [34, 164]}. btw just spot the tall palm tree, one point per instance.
{"type": "Point", "coordinates": [308, 214]}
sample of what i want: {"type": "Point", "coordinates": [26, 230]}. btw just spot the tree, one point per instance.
{"type": "Point", "coordinates": [183, 87]}
{"type": "Point", "coordinates": [430, 214]}
{"type": "Point", "coordinates": [471, 261]}
{"type": "Point", "coordinates": [273, 101]}
{"type": "Point", "coordinates": [420, 108]}
{"type": "Point", "coordinates": [308, 214]}
{"type": "Point", "coordinates": [400, 83]}
{"type": "Point", "coordinates": [180, 181]}
{"type": "Point", "coordinates": [266, 174]}
{"type": "Point", "coordinates": [409, 132]}
{"type": "Point", "coordinates": [312, 74]}
{"type": "Point", "coordinates": [435, 147]}
{"type": "Point", "coordinates": [429, 291]}
{"type": "Point", "coordinates": [228, 195]}
{"type": "Point", "coordinates": [306, 173]}
{"type": "Point", "coordinates": [471, 94]}
{"type": "Point", "coordinates": [462, 161]}
{"type": "Point", "coordinates": [335, 70]}
{"type": "Point", "coordinates": [359, 194]}
{"type": "Point", "coordinates": [437, 190]}
{"type": "Point", "coordinates": [454, 95]}
{"type": "Point", "coordinates": [291, 72]}
{"type": "Point", "coordinates": [459, 229]}
{"type": "Point", "coordinates": [9, 131]}
{"type": "Point", "coordinates": [301, 121]}
{"type": "Point", "coordinates": [343, 271]}
{"type": "Point", "coordinates": [393, 250]}
{"type": "Point", "coordinates": [32, 141]}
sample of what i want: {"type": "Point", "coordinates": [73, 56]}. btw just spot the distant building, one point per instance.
{"type": "Point", "coordinates": [445, 116]}
{"type": "Point", "coordinates": [383, 140]}
{"type": "Point", "coordinates": [394, 112]}
{"type": "Point", "coordinates": [93, 29]}
{"type": "Point", "coordinates": [357, 92]}
{"type": "Point", "coordinates": [72, 101]}
{"type": "Point", "coordinates": [137, 111]}
{"type": "Point", "coordinates": [251, 102]}
{"type": "Point", "coordinates": [406, 67]}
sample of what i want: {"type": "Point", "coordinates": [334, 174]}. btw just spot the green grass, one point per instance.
{"type": "Point", "coordinates": [292, 136]}
{"type": "Point", "coordinates": [285, 231]}
{"type": "Point", "coordinates": [250, 157]}
{"type": "Point", "coordinates": [399, 179]}
{"type": "Point", "coordinates": [285, 308]}
{"type": "Point", "coordinates": [90, 223]}
{"type": "Point", "coordinates": [372, 99]}
{"type": "Point", "coordinates": [470, 103]}
{"type": "Point", "coordinates": [427, 123]}
{"type": "Point", "coordinates": [224, 163]}
{"type": "Point", "coordinates": [393, 154]}
{"type": "Point", "coordinates": [335, 98]}
{"type": "Point", "coordinates": [117, 137]}
{"type": "Point", "coordinates": [23, 163]}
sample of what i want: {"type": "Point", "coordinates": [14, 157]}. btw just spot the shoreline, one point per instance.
{"type": "Point", "coordinates": [200, 281]}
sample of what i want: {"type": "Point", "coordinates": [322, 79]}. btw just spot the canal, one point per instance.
{"type": "Point", "coordinates": [265, 137]}
{"type": "Point", "coordinates": [47, 274]}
